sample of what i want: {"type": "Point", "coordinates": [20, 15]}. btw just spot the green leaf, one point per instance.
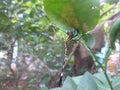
{"type": "Point", "coordinates": [114, 33]}
{"type": "Point", "coordinates": [87, 82]}
{"type": "Point", "coordinates": [55, 89]}
{"type": "Point", "coordinates": [117, 87]}
{"type": "Point", "coordinates": [28, 4]}
{"type": "Point", "coordinates": [116, 82]}
{"type": "Point", "coordinates": [81, 15]}
{"type": "Point", "coordinates": [43, 88]}
{"type": "Point", "coordinates": [102, 81]}
{"type": "Point", "coordinates": [69, 84]}
{"type": "Point", "coordinates": [77, 79]}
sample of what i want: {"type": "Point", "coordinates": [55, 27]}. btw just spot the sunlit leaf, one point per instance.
{"type": "Point", "coordinates": [81, 15]}
{"type": "Point", "coordinates": [28, 4]}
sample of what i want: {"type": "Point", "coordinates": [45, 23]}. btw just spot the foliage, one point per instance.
{"type": "Point", "coordinates": [40, 44]}
{"type": "Point", "coordinates": [56, 16]}
{"type": "Point", "coordinates": [114, 33]}
{"type": "Point", "coordinates": [90, 82]}
{"type": "Point", "coordinates": [24, 22]}
{"type": "Point", "coordinates": [71, 15]}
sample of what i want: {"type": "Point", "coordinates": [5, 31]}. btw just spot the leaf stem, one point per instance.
{"type": "Point", "coordinates": [94, 59]}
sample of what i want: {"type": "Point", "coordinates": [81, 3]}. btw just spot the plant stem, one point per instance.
{"type": "Point", "coordinates": [106, 57]}
{"type": "Point", "coordinates": [94, 59]}
{"type": "Point", "coordinates": [108, 79]}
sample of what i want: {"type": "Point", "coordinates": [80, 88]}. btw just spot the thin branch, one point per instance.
{"type": "Point", "coordinates": [104, 13]}
{"type": "Point", "coordinates": [54, 78]}
{"type": "Point", "coordinates": [47, 36]}
{"type": "Point", "coordinates": [113, 7]}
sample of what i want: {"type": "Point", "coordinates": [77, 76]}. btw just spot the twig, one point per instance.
{"type": "Point", "coordinates": [114, 6]}
{"type": "Point", "coordinates": [54, 78]}
{"type": "Point", "coordinates": [104, 13]}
